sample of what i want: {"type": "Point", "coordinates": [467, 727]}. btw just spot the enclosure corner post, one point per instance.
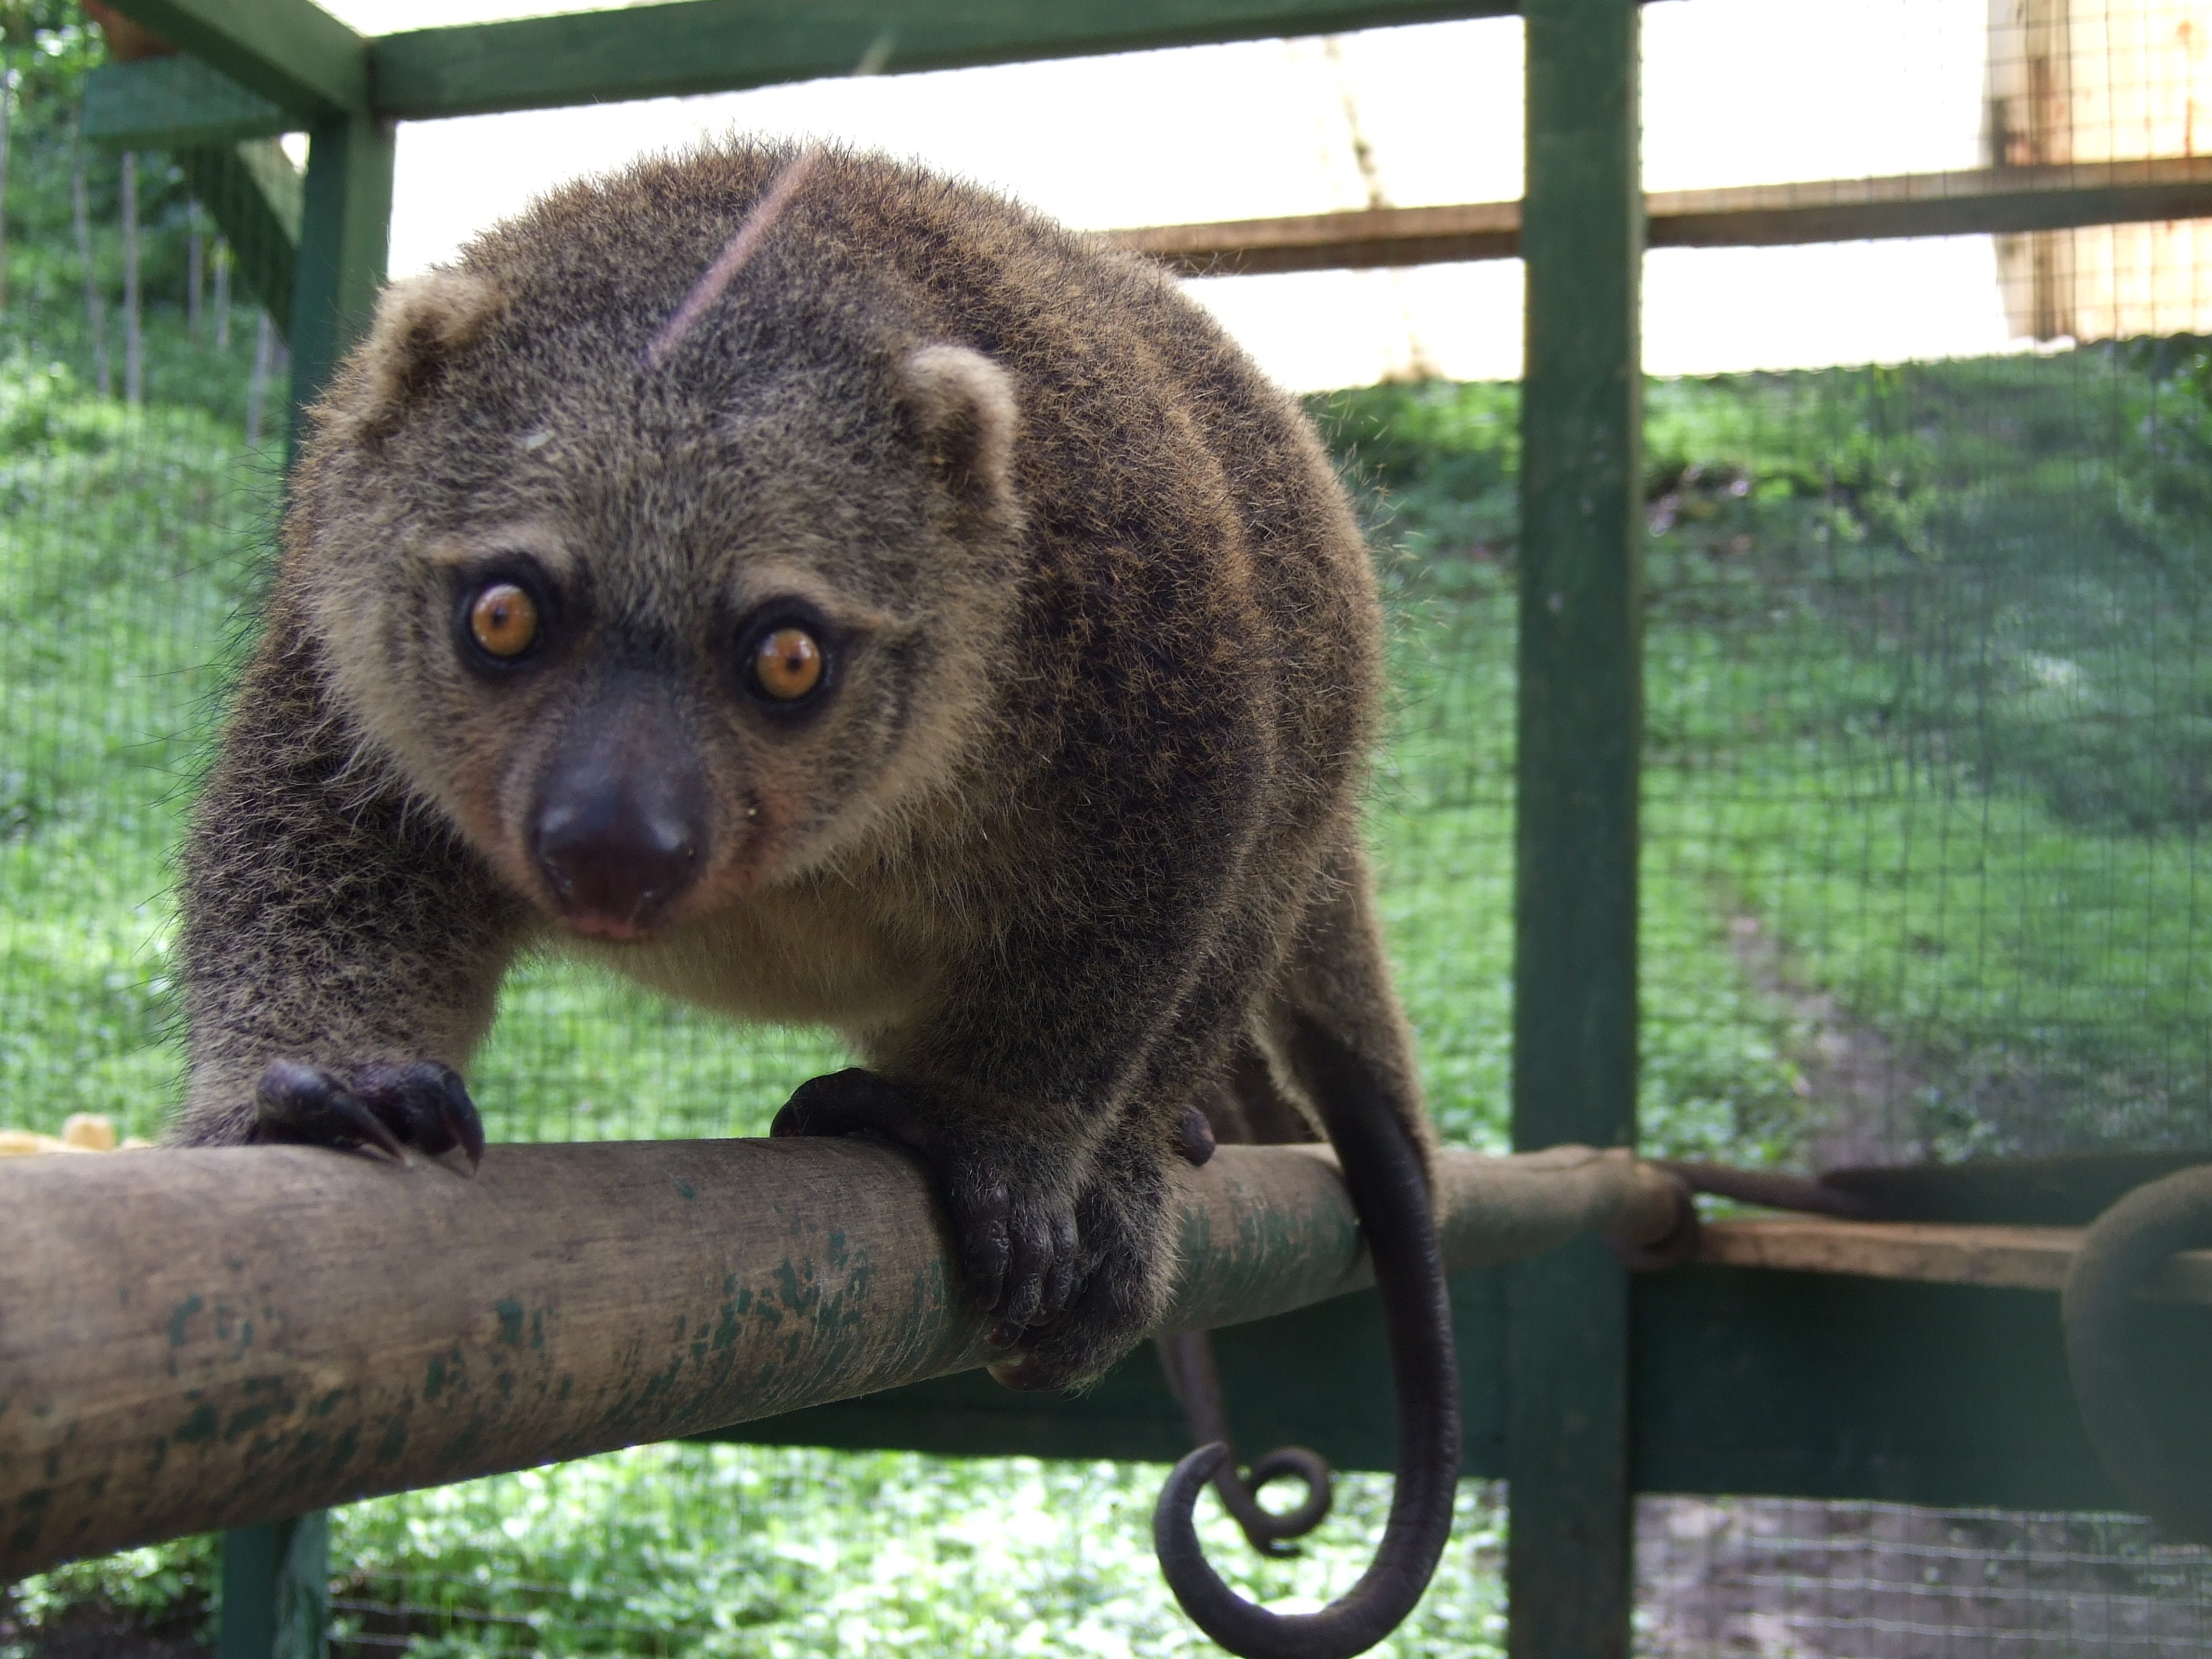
{"type": "Point", "coordinates": [276, 1591]}
{"type": "Point", "coordinates": [275, 1578]}
{"type": "Point", "coordinates": [1569, 1570]}
{"type": "Point", "coordinates": [345, 234]}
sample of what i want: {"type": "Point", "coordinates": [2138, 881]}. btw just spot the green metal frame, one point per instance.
{"type": "Point", "coordinates": [1804, 1385]}
{"type": "Point", "coordinates": [1569, 1586]}
{"type": "Point", "coordinates": [1580, 1387]}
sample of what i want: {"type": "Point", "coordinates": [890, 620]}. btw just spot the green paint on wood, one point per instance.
{"type": "Point", "coordinates": [32, 1508]}
{"type": "Point", "coordinates": [510, 1321]}
{"type": "Point", "coordinates": [200, 1425]}
{"type": "Point", "coordinates": [185, 1311]}
{"type": "Point", "coordinates": [393, 1446]}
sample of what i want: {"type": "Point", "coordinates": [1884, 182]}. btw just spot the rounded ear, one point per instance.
{"type": "Point", "coordinates": [422, 322]}
{"type": "Point", "coordinates": [963, 408]}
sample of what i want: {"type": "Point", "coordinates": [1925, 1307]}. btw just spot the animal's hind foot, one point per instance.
{"type": "Point", "coordinates": [390, 1107]}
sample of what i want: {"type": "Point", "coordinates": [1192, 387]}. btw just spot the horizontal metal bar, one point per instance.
{"type": "Point", "coordinates": [712, 45]}
{"type": "Point", "coordinates": [191, 1339]}
{"type": "Point", "coordinates": [1977, 201]}
{"type": "Point", "coordinates": [289, 51]}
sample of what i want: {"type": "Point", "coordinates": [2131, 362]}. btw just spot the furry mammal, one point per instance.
{"type": "Point", "coordinates": [952, 640]}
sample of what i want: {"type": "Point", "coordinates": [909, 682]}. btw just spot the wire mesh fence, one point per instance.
{"type": "Point", "coordinates": [1782, 1578]}
{"type": "Point", "coordinates": [1928, 758]}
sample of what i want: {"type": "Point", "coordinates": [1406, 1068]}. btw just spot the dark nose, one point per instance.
{"type": "Point", "coordinates": [617, 834]}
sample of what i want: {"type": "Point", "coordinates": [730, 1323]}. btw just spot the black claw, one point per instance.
{"type": "Point", "coordinates": [424, 1105]}
{"type": "Point", "coordinates": [1197, 1135]}
{"type": "Point", "coordinates": [462, 1119]}
{"type": "Point", "coordinates": [304, 1105]}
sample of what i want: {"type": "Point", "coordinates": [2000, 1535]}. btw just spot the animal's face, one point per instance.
{"type": "Point", "coordinates": [654, 645]}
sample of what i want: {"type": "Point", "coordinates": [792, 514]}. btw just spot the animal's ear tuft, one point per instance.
{"type": "Point", "coordinates": [422, 324]}
{"type": "Point", "coordinates": [964, 409]}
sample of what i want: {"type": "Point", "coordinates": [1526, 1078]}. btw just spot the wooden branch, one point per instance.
{"type": "Point", "coordinates": [2019, 1258]}
{"type": "Point", "coordinates": [1981, 200]}
{"type": "Point", "coordinates": [191, 1339]}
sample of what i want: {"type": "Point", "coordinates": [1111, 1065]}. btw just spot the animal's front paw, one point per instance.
{"type": "Point", "coordinates": [1069, 1258]}
{"type": "Point", "coordinates": [1013, 1213]}
{"type": "Point", "coordinates": [391, 1108]}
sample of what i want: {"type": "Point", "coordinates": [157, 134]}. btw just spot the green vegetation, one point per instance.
{"type": "Point", "coordinates": [1927, 747]}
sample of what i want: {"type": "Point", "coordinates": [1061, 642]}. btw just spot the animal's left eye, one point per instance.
{"type": "Point", "coordinates": [503, 620]}
{"type": "Point", "coordinates": [787, 663]}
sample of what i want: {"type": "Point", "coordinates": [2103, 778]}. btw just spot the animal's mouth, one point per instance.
{"type": "Point", "coordinates": [612, 929]}
{"type": "Point", "coordinates": [614, 886]}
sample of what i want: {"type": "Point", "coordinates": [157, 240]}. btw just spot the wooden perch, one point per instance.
{"type": "Point", "coordinates": [2015, 1258]}
{"type": "Point", "coordinates": [191, 1339]}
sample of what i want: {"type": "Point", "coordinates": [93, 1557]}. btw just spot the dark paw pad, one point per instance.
{"type": "Point", "coordinates": [390, 1107]}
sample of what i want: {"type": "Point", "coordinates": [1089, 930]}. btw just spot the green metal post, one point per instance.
{"type": "Point", "coordinates": [276, 1578]}
{"type": "Point", "coordinates": [276, 1591]}
{"type": "Point", "coordinates": [1568, 1565]}
{"type": "Point", "coordinates": [345, 233]}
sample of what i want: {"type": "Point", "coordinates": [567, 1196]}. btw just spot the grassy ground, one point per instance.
{"type": "Point", "coordinates": [1928, 732]}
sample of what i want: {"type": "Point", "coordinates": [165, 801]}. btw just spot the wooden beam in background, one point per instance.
{"type": "Point", "coordinates": [291, 53]}
{"type": "Point", "coordinates": [719, 45]}
{"type": "Point", "coordinates": [2014, 1258]}
{"type": "Point", "coordinates": [1977, 201]}
{"type": "Point", "coordinates": [176, 103]}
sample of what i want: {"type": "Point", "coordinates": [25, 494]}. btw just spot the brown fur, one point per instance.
{"type": "Point", "coordinates": [1076, 836]}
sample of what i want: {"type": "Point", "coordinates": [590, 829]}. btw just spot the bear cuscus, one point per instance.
{"type": "Point", "coordinates": [950, 639]}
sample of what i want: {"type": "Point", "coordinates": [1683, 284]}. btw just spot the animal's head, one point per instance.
{"type": "Point", "coordinates": [653, 634]}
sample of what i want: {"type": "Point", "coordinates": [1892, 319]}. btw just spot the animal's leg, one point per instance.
{"type": "Point", "coordinates": [341, 951]}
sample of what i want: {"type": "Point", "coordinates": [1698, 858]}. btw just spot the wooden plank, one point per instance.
{"type": "Point", "coordinates": [714, 45]}
{"type": "Point", "coordinates": [1981, 200]}
{"type": "Point", "coordinates": [170, 103]}
{"type": "Point", "coordinates": [291, 53]}
{"type": "Point", "coordinates": [2019, 1258]}
{"type": "Point", "coordinates": [1570, 1587]}
{"type": "Point", "coordinates": [1362, 239]}
{"type": "Point", "coordinates": [216, 1338]}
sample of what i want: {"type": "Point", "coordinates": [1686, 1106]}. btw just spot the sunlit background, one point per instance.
{"type": "Point", "coordinates": [1737, 92]}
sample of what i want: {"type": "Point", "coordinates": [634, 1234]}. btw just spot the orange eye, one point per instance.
{"type": "Point", "coordinates": [504, 620]}
{"type": "Point", "coordinates": [787, 664]}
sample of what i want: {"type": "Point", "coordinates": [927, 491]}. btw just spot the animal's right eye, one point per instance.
{"type": "Point", "coordinates": [502, 620]}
